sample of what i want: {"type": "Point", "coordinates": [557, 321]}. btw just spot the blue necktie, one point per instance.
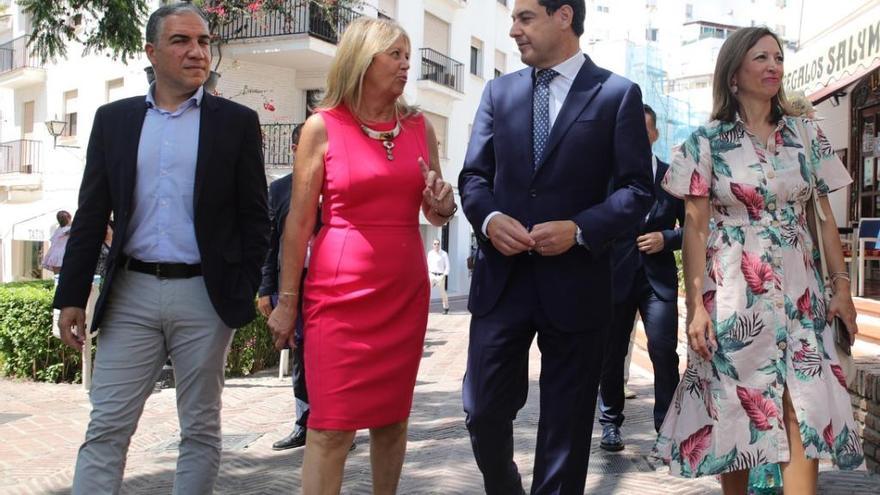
{"type": "Point", "coordinates": [541, 114]}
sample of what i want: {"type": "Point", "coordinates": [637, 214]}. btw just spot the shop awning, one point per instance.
{"type": "Point", "coordinates": [33, 220]}
{"type": "Point", "coordinates": [37, 228]}
{"type": "Point", "coordinates": [837, 58]}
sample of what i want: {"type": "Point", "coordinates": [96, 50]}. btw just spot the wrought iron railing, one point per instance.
{"type": "Point", "coordinates": [278, 145]}
{"type": "Point", "coordinates": [21, 156]}
{"type": "Point", "coordinates": [441, 69]}
{"type": "Point", "coordinates": [295, 17]}
{"type": "Point", "coordinates": [15, 54]}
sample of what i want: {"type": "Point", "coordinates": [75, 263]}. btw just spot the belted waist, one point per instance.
{"type": "Point", "coordinates": [772, 219]}
{"type": "Point", "coordinates": [162, 270]}
{"type": "Point", "coordinates": [436, 273]}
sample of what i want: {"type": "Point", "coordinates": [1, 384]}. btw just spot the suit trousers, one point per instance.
{"type": "Point", "coordinates": [147, 320]}
{"type": "Point", "coordinates": [496, 387]}
{"type": "Point", "coordinates": [661, 327]}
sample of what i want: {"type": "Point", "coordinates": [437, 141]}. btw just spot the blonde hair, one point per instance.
{"type": "Point", "coordinates": [363, 39]}
{"type": "Point", "coordinates": [730, 58]}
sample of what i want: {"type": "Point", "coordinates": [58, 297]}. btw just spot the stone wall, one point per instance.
{"type": "Point", "coordinates": [865, 395]}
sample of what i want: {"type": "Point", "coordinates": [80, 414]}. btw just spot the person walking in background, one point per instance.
{"type": "Point", "coordinates": [279, 206]}
{"type": "Point", "coordinates": [558, 165]}
{"type": "Point", "coordinates": [645, 282]}
{"type": "Point", "coordinates": [58, 243]}
{"type": "Point", "coordinates": [438, 270]}
{"type": "Point", "coordinates": [182, 173]}
{"type": "Point", "coordinates": [763, 383]}
{"type": "Point", "coordinates": [366, 294]}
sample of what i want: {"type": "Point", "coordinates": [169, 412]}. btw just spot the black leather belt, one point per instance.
{"type": "Point", "coordinates": [436, 273]}
{"type": "Point", "coordinates": [163, 270]}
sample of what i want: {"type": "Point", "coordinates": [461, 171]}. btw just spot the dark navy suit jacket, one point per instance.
{"type": "Point", "coordinates": [279, 205]}
{"type": "Point", "coordinates": [596, 171]}
{"type": "Point", "coordinates": [660, 269]}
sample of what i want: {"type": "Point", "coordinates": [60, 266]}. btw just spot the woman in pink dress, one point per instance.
{"type": "Point", "coordinates": [365, 153]}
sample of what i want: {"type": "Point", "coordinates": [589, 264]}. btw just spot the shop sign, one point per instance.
{"type": "Point", "coordinates": [852, 49]}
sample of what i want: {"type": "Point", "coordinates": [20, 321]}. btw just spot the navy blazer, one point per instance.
{"type": "Point", "coordinates": [596, 171]}
{"type": "Point", "coordinates": [279, 206]}
{"type": "Point", "coordinates": [660, 269]}
{"type": "Point", "coordinates": [229, 205]}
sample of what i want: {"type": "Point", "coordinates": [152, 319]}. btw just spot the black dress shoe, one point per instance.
{"type": "Point", "coordinates": [445, 311]}
{"type": "Point", "coordinates": [611, 439]}
{"type": "Point", "coordinates": [292, 441]}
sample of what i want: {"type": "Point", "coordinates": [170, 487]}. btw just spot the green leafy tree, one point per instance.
{"type": "Point", "coordinates": [117, 29]}
{"type": "Point", "coordinates": [118, 24]}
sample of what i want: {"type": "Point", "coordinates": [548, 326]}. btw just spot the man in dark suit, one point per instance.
{"type": "Point", "coordinates": [557, 166]}
{"type": "Point", "coordinates": [645, 280]}
{"type": "Point", "coordinates": [182, 173]}
{"type": "Point", "coordinates": [279, 206]}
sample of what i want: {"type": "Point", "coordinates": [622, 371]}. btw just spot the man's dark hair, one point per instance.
{"type": "Point", "coordinates": [63, 217]}
{"type": "Point", "coordinates": [294, 135]}
{"type": "Point", "coordinates": [650, 111]}
{"type": "Point", "coordinates": [154, 23]}
{"type": "Point", "coordinates": [578, 6]}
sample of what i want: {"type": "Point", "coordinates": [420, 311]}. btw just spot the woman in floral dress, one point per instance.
{"type": "Point", "coordinates": [763, 384]}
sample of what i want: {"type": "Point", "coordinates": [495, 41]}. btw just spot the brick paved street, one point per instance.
{"type": "Point", "coordinates": [41, 426]}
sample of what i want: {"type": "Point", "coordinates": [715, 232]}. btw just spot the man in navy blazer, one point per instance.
{"type": "Point", "coordinates": [558, 165]}
{"type": "Point", "coordinates": [645, 280]}
{"type": "Point", "coordinates": [182, 173]}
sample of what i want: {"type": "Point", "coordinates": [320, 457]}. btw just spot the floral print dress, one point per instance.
{"type": "Point", "coordinates": [764, 294]}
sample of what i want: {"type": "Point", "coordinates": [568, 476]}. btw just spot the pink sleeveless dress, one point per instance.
{"type": "Point", "coordinates": [366, 293]}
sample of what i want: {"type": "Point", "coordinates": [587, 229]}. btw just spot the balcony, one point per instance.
{"type": "Point", "coordinates": [440, 73]}
{"type": "Point", "coordinates": [18, 67]}
{"type": "Point", "coordinates": [277, 145]}
{"type": "Point", "coordinates": [20, 164]}
{"type": "Point", "coordinates": [300, 29]}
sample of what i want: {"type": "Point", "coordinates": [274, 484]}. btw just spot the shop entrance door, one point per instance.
{"type": "Point", "coordinates": [868, 158]}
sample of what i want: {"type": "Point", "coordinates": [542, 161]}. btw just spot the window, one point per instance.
{"type": "Point", "coordinates": [114, 89]}
{"type": "Point", "coordinates": [476, 57]}
{"type": "Point", "coordinates": [651, 34]}
{"type": "Point", "coordinates": [70, 110]}
{"type": "Point", "coordinates": [439, 123]}
{"type": "Point", "coordinates": [602, 8]}
{"type": "Point", "coordinates": [27, 120]}
{"type": "Point", "coordinates": [436, 35]}
{"type": "Point", "coordinates": [500, 63]}
{"type": "Point", "coordinates": [689, 11]}
{"type": "Point", "coordinates": [387, 8]}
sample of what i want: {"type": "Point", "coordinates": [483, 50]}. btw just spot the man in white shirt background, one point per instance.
{"type": "Point", "coordinates": [438, 269]}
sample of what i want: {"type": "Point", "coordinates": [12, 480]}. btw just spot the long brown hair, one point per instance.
{"type": "Point", "coordinates": [730, 58]}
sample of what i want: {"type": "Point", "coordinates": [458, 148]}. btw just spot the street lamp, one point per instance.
{"type": "Point", "coordinates": [56, 128]}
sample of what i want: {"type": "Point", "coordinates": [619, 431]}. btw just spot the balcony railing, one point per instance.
{"type": "Point", "coordinates": [21, 157]}
{"type": "Point", "coordinates": [277, 145]}
{"type": "Point", "coordinates": [441, 69]}
{"type": "Point", "coordinates": [296, 17]}
{"type": "Point", "coordinates": [15, 54]}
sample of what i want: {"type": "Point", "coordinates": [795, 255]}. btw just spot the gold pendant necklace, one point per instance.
{"type": "Point", "coordinates": [387, 138]}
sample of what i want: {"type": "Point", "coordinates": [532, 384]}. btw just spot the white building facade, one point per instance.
{"type": "Point", "coordinates": [276, 66]}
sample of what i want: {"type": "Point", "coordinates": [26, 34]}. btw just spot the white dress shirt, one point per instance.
{"type": "Point", "coordinates": [559, 88]}
{"type": "Point", "coordinates": [438, 262]}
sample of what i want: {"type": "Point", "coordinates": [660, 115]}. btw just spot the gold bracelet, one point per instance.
{"type": "Point", "coordinates": [288, 293]}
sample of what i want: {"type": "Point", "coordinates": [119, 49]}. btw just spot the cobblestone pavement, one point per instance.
{"type": "Point", "coordinates": [41, 426]}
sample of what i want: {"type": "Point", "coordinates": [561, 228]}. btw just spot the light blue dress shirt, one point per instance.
{"type": "Point", "coordinates": [161, 227]}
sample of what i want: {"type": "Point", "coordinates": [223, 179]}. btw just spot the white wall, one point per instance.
{"type": "Point", "coordinates": [835, 125]}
